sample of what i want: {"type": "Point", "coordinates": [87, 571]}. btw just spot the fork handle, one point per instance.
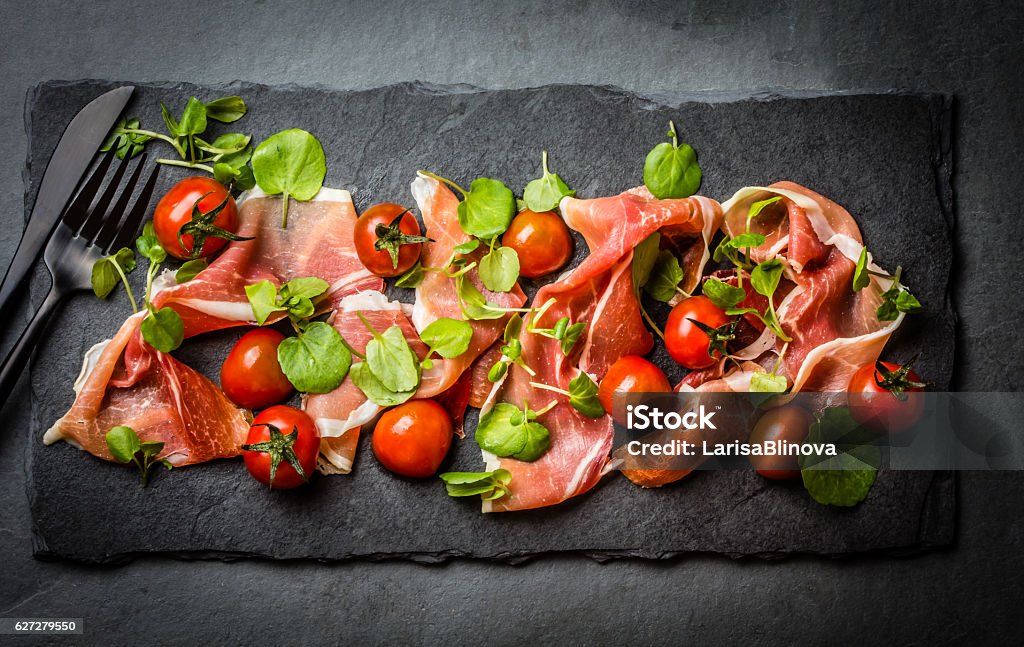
{"type": "Point", "coordinates": [17, 359]}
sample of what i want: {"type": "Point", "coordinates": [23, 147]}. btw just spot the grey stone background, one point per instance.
{"type": "Point", "coordinates": [970, 593]}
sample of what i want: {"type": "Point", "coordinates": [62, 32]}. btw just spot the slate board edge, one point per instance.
{"type": "Point", "coordinates": [942, 492]}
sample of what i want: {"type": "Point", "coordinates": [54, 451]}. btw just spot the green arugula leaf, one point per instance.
{"type": "Point", "coordinates": [391, 360]}
{"type": "Point", "coordinates": [290, 163]}
{"type": "Point", "coordinates": [842, 480]}
{"type": "Point", "coordinates": [125, 447]}
{"type": "Point", "coordinates": [490, 485]}
{"type": "Point", "coordinates": [111, 270]}
{"type": "Point", "coordinates": [316, 360]}
{"type": "Point", "coordinates": [722, 294]}
{"type": "Point", "coordinates": [583, 396]}
{"type": "Point", "coordinates": [499, 270]}
{"type": "Point", "coordinates": [449, 338]}
{"type": "Point", "coordinates": [663, 282]}
{"type": "Point", "coordinates": [547, 191]}
{"type": "Point", "coordinates": [671, 169]}
{"type": "Point", "coordinates": [861, 278]}
{"type": "Point", "coordinates": [226, 109]}
{"type": "Point", "coordinates": [163, 329]}
{"type": "Point", "coordinates": [190, 269]}
{"type": "Point", "coordinates": [412, 278]}
{"type": "Point", "coordinates": [374, 389]}
{"type": "Point", "coordinates": [505, 430]}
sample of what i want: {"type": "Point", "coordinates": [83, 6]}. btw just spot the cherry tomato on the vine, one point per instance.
{"type": "Point", "coordinates": [413, 438]}
{"type": "Point", "coordinates": [385, 247]}
{"type": "Point", "coordinates": [175, 210]}
{"type": "Point", "coordinates": [885, 397]}
{"type": "Point", "coordinates": [687, 342]}
{"type": "Point", "coordinates": [271, 452]}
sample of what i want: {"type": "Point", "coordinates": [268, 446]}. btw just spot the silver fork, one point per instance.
{"type": "Point", "coordinates": [84, 236]}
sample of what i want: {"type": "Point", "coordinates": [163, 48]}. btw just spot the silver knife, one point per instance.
{"type": "Point", "coordinates": [69, 162]}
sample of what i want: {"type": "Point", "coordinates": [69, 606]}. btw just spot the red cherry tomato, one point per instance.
{"type": "Point", "coordinates": [631, 374]}
{"type": "Point", "coordinates": [886, 403]}
{"type": "Point", "coordinates": [685, 341]}
{"type": "Point", "coordinates": [790, 423]}
{"type": "Point", "coordinates": [413, 438]}
{"type": "Point", "coordinates": [365, 237]}
{"type": "Point", "coordinates": [251, 375]}
{"type": "Point", "coordinates": [175, 210]}
{"type": "Point", "coordinates": [541, 240]}
{"type": "Point", "coordinates": [305, 447]}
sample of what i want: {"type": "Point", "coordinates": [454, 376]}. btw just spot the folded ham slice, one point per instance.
{"type": "Point", "coordinates": [835, 331]}
{"type": "Point", "coordinates": [600, 292]}
{"type": "Point", "coordinates": [124, 381]}
{"type": "Point", "coordinates": [318, 242]}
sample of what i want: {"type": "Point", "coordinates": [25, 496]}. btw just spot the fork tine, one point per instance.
{"type": "Point", "coordinates": [76, 212]}
{"type": "Point", "coordinates": [100, 210]}
{"type": "Point", "coordinates": [110, 223]}
{"type": "Point", "coordinates": [130, 226]}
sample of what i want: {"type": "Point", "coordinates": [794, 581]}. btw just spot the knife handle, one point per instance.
{"type": "Point", "coordinates": [17, 359]}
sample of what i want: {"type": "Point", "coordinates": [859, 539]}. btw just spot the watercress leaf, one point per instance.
{"type": "Point", "coordinates": [497, 371]}
{"type": "Point", "coordinates": [671, 169]}
{"type": "Point", "coordinates": [163, 330]}
{"type": "Point", "coordinates": [447, 337]}
{"type": "Point", "coordinates": [473, 303]}
{"type": "Point", "coordinates": [861, 278]}
{"type": "Point", "coordinates": [571, 336]}
{"type": "Point", "coordinates": [244, 179]}
{"type": "Point", "coordinates": [547, 191]}
{"type": "Point", "coordinates": [263, 300]}
{"type": "Point", "coordinates": [149, 245]}
{"type": "Point", "coordinates": [765, 277]}
{"type": "Point", "coordinates": [231, 144]}
{"type": "Point", "coordinates": [308, 287]}
{"type": "Point", "coordinates": [487, 209]}
{"type": "Point", "coordinates": [756, 208]}
{"type": "Point", "coordinates": [412, 278]}
{"type": "Point", "coordinates": [172, 126]}
{"type": "Point", "coordinates": [747, 240]}
{"type": "Point", "coordinates": [845, 479]}
{"type": "Point", "coordinates": [392, 361]}
{"type": "Point", "coordinates": [722, 294]}
{"type": "Point", "coordinates": [467, 247]}
{"type": "Point", "coordinates": [291, 163]}
{"type": "Point", "coordinates": [316, 360]}
{"type": "Point", "coordinates": [645, 255]}
{"type": "Point", "coordinates": [768, 383]}
{"type": "Point", "coordinates": [665, 277]}
{"type": "Point", "coordinates": [105, 275]}
{"type": "Point", "coordinates": [151, 448]}
{"type": "Point", "coordinates": [491, 485]}
{"type": "Point", "coordinates": [226, 109]}
{"type": "Point", "coordinates": [123, 443]}
{"type": "Point", "coordinates": [224, 173]}
{"type": "Point", "coordinates": [499, 269]}
{"type": "Point", "coordinates": [374, 390]}
{"type": "Point", "coordinates": [583, 396]}
{"type": "Point", "coordinates": [538, 440]}
{"type": "Point", "coordinates": [907, 302]}
{"type": "Point", "coordinates": [193, 119]}
{"type": "Point", "coordinates": [513, 328]}
{"type": "Point", "coordinates": [190, 269]}
{"type": "Point", "coordinates": [497, 434]}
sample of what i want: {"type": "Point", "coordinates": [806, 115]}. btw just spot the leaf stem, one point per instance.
{"type": "Point", "coordinates": [650, 322]}
{"type": "Point", "coordinates": [446, 181]}
{"type": "Point", "coordinates": [548, 387]}
{"type": "Point", "coordinates": [127, 288]}
{"type": "Point", "coordinates": [182, 163]}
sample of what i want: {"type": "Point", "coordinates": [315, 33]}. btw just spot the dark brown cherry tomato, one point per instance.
{"type": "Point", "coordinates": [413, 438]}
{"type": "Point", "coordinates": [175, 210]}
{"type": "Point", "coordinates": [404, 239]}
{"type": "Point", "coordinates": [686, 342]}
{"type": "Point", "coordinates": [251, 375]}
{"type": "Point", "coordinates": [790, 423]}
{"type": "Point", "coordinates": [541, 240]}
{"type": "Point", "coordinates": [631, 374]}
{"type": "Point", "coordinates": [886, 401]}
{"type": "Point", "coordinates": [263, 442]}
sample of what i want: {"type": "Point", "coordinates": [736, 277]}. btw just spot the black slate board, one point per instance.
{"type": "Point", "coordinates": [886, 158]}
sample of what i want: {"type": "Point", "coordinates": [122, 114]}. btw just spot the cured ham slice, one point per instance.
{"type": "Point", "coordinates": [126, 382]}
{"type": "Point", "coordinates": [318, 242]}
{"type": "Point", "coordinates": [835, 330]}
{"type": "Point", "coordinates": [598, 291]}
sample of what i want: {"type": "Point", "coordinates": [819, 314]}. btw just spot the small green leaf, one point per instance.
{"type": "Point", "coordinates": [105, 275]}
{"type": "Point", "coordinates": [756, 208]}
{"type": "Point", "coordinates": [842, 480]}
{"type": "Point", "coordinates": [308, 287]}
{"type": "Point", "coordinates": [151, 448]}
{"type": "Point", "coordinates": [571, 336]}
{"type": "Point", "coordinates": [316, 360]}
{"type": "Point", "coordinates": [448, 338]}
{"type": "Point", "coordinates": [163, 330]}
{"type": "Point", "coordinates": [671, 169]}
{"type": "Point", "coordinates": [291, 163]}
{"type": "Point", "coordinates": [374, 389]}
{"type": "Point", "coordinates": [123, 443]}
{"type": "Point", "coordinates": [412, 278]}
{"type": "Point", "coordinates": [861, 278]}
{"type": "Point", "coordinates": [645, 256]}
{"type": "Point", "coordinates": [263, 300]}
{"type": "Point", "coordinates": [722, 294]}
{"type": "Point", "coordinates": [226, 109]}
{"type": "Point", "coordinates": [193, 119]}
{"type": "Point", "coordinates": [473, 303]}
{"type": "Point", "coordinates": [489, 485]}
{"type": "Point", "coordinates": [506, 431]}
{"type": "Point", "coordinates": [664, 278]}
{"type": "Point", "coordinates": [487, 209]}
{"type": "Point", "coordinates": [467, 247]}
{"type": "Point", "coordinates": [149, 245]}
{"type": "Point", "coordinates": [172, 125]}
{"type": "Point", "coordinates": [392, 361]}
{"type": "Point", "coordinates": [499, 270]}
{"type": "Point", "coordinates": [547, 191]}
{"type": "Point", "coordinates": [190, 269]}
{"type": "Point", "coordinates": [765, 277]}
{"type": "Point", "coordinates": [583, 396]}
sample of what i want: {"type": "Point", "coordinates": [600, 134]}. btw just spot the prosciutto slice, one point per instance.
{"type": "Point", "coordinates": [835, 331]}
{"type": "Point", "coordinates": [598, 291]}
{"type": "Point", "coordinates": [124, 381]}
{"type": "Point", "coordinates": [318, 242]}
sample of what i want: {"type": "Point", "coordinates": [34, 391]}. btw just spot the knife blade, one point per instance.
{"type": "Point", "coordinates": [69, 162]}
